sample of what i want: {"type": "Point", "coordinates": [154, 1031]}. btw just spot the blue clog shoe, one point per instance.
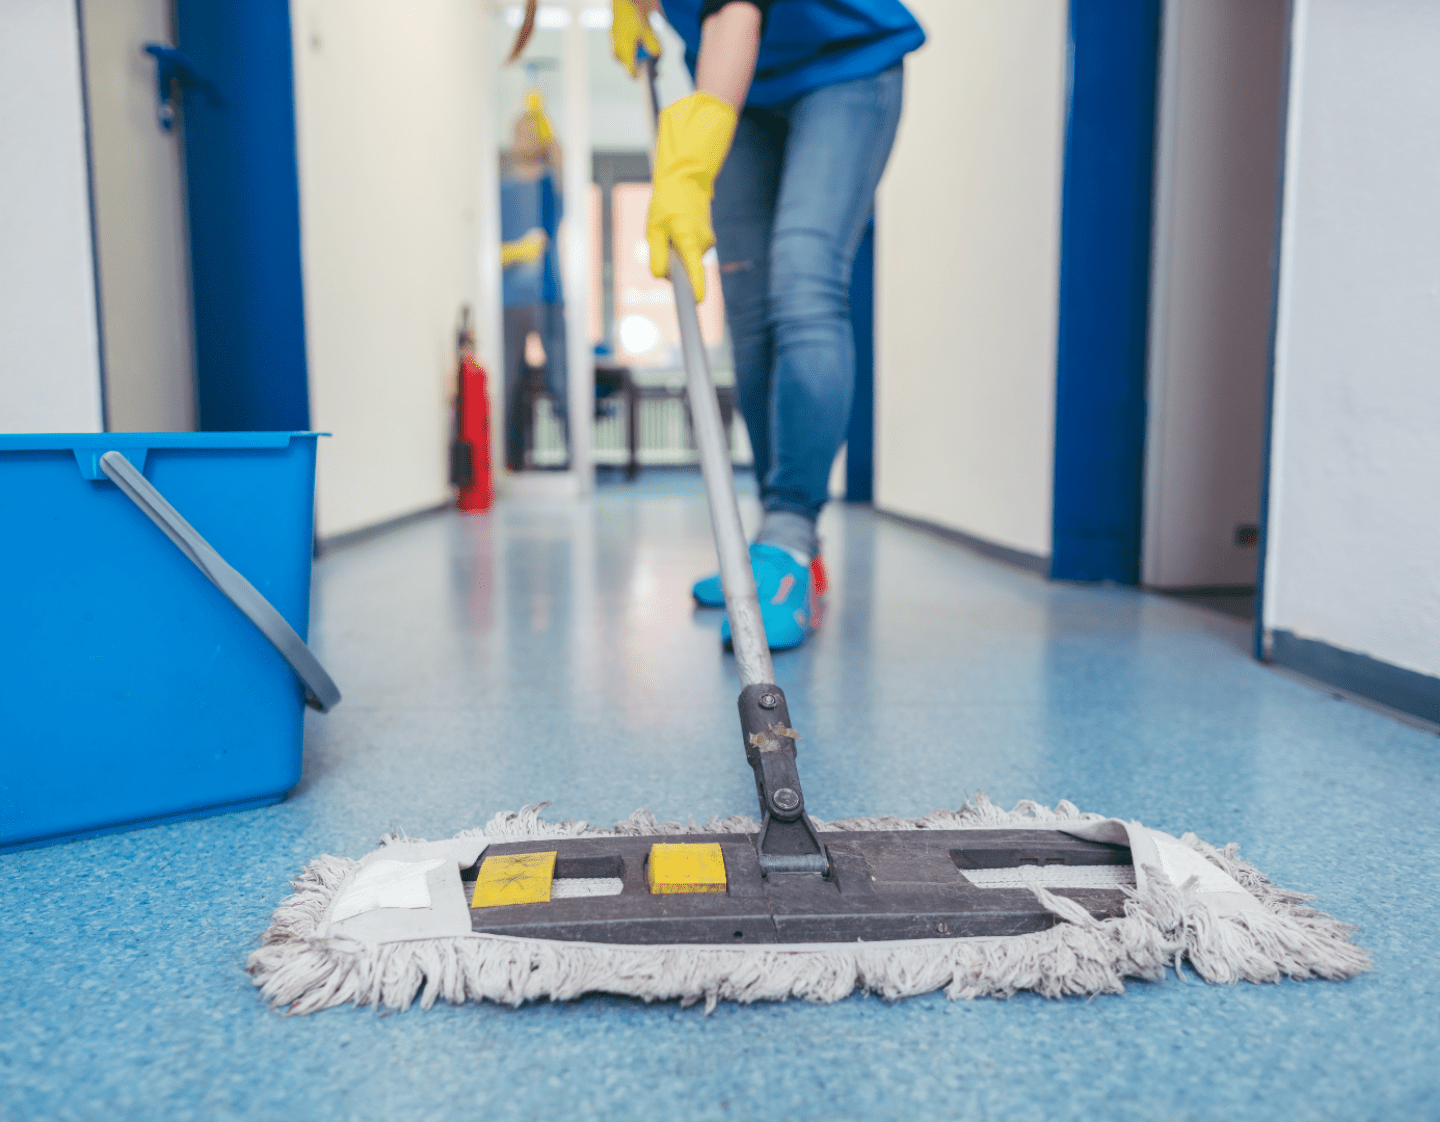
{"type": "Point", "coordinates": [784, 587]}
{"type": "Point", "coordinates": [709, 594]}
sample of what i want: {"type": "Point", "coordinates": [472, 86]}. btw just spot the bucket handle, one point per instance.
{"type": "Point", "coordinates": [320, 690]}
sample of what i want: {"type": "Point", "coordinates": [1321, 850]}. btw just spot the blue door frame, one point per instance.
{"type": "Point", "coordinates": [243, 196]}
{"type": "Point", "coordinates": [1104, 290]}
{"type": "Point", "coordinates": [860, 437]}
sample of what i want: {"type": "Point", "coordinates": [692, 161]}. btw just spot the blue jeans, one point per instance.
{"type": "Point", "coordinates": [791, 205]}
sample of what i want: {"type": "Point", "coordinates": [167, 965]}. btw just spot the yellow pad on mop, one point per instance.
{"type": "Point", "coordinates": [675, 868]}
{"type": "Point", "coordinates": [517, 878]}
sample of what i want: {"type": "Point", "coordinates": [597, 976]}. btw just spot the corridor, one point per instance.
{"type": "Point", "coordinates": [549, 651]}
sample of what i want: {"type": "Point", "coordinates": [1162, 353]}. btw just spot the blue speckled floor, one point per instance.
{"type": "Point", "coordinates": [549, 651]}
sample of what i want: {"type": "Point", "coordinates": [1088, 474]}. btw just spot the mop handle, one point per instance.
{"type": "Point", "coordinates": [752, 651]}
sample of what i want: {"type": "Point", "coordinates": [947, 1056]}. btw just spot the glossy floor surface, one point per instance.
{"type": "Point", "coordinates": [549, 651]}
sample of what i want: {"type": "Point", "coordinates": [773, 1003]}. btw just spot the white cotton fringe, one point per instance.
{"type": "Point", "coordinates": [1162, 926]}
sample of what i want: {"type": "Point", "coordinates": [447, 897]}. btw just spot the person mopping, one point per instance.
{"type": "Point", "coordinates": [794, 112]}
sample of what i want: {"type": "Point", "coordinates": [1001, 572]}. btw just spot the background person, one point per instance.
{"type": "Point", "coordinates": [530, 213]}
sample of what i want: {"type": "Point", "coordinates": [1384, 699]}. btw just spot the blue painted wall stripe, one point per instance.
{"type": "Point", "coordinates": [244, 201]}
{"type": "Point", "coordinates": [1104, 290]}
{"type": "Point", "coordinates": [95, 277]}
{"type": "Point", "coordinates": [860, 439]}
{"type": "Point", "coordinates": [1406, 690]}
{"type": "Point", "coordinates": [1276, 255]}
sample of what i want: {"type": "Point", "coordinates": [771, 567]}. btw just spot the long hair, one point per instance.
{"type": "Point", "coordinates": [527, 28]}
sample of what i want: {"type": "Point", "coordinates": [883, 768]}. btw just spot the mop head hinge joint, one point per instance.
{"type": "Point", "coordinates": [787, 842]}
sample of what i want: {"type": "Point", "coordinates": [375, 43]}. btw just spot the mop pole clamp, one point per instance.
{"type": "Point", "coordinates": [787, 842]}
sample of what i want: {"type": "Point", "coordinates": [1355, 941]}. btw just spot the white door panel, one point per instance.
{"type": "Point", "coordinates": [1217, 167]}
{"type": "Point", "coordinates": [138, 176]}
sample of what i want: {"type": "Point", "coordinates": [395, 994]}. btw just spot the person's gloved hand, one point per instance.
{"type": "Point", "coordinates": [694, 136]}
{"type": "Point", "coordinates": [629, 31]}
{"type": "Point", "coordinates": [535, 107]}
{"type": "Point", "coordinates": [523, 249]}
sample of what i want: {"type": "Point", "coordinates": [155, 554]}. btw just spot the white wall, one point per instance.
{"type": "Point", "coordinates": [392, 106]}
{"type": "Point", "coordinates": [1354, 531]}
{"type": "Point", "coordinates": [967, 267]}
{"type": "Point", "coordinates": [1217, 169]}
{"type": "Point", "coordinates": [140, 222]}
{"type": "Point", "coordinates": [49, 344]}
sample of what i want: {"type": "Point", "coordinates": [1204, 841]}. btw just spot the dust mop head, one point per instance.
{"type": "Point", "coordinates": [398, 925]}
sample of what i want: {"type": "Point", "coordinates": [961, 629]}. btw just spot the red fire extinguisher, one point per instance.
{"type": "Point", "coordinates": [470, 438]}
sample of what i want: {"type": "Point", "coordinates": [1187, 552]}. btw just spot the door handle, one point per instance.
{"type": "Point", "coordinates": [175, 72]}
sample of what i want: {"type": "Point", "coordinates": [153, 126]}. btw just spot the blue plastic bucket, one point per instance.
{"type": "Point", "coordinates": [132, 691]}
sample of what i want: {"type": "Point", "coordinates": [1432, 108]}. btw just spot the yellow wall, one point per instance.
{"type": "Point", "coordinates": [1354, 457]}
{"type": "Point", "coordinates": [967, 265]}
{"type": "Point", "coordinates": [392, 104]}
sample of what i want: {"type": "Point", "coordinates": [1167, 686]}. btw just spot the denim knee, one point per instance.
{"type": "Point", "coordinates": [807, 280]}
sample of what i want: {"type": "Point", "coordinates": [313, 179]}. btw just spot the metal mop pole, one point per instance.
{"type": "Point", "coordinates": [752, 652]}
{"type": "Point", "coordinates": [787, 842]}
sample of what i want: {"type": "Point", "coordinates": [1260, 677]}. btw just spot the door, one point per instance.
{"type": "Point", "coordinates": [137, 176]}
{"type": "Point", "coordinates": [1218, 169]}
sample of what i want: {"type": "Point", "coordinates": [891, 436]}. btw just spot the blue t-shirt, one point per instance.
{"type": "Point", "coordinates": [808, 44]}
{"type": "Point", "coordinates": [524, 206]}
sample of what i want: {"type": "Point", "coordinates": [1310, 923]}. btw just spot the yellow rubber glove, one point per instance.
{"type": "Point", "coordinates": [524, 249]}
{"type": "Point", "coordinates": [694, 136]}
{"type": "Point", "coordinates": [535, 107]}
{"type": "Point", "coordinates": [629, 31]}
